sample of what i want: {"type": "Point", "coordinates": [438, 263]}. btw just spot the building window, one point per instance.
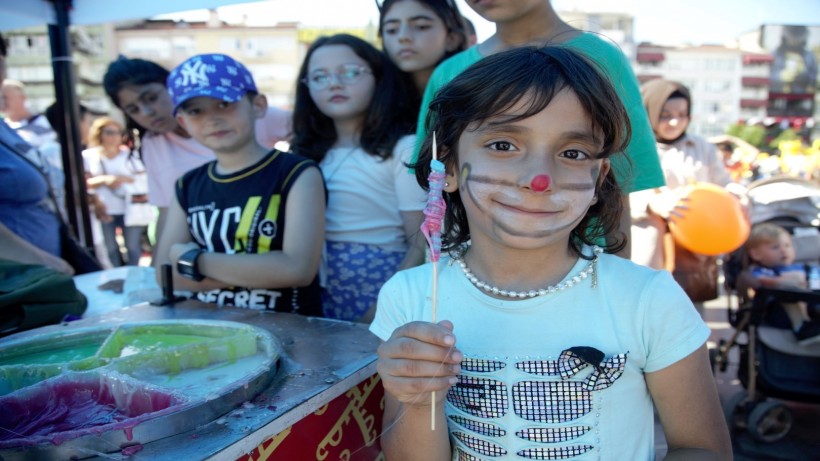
{"type": "Point", "coordinates": [718, 64]}
{"type": "Point", "coordinates": [229, 45]}
{"type": "Point", "coordinates": [153, 48]}
{"type": "Point", "coordinates": [717, 86]}
{"type": "Point", "coordinates": [268, 73]}
{"type": "Point", "coordinates": [31, 74]}
{"type": "Point", "coordinates": [265, 46]}
{"type": "Point", "coordinates": [183, 46]}
{"type": "Point", "coordinates": [28, 45]}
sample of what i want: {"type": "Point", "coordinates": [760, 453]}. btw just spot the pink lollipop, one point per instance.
{"type": "Point", "coordinates": [434, 211]}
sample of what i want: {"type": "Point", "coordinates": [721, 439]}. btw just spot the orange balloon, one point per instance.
{"type": "Point", "coordinates": [712, 222]}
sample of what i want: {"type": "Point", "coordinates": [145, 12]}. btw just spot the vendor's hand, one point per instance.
{"type": "Point", "coordinates": [419, 358]}
{"type": "Point", "coordinates": [178, 249]}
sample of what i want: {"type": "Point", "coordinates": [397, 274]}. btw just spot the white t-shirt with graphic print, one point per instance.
{"type": "Point", "coordinates": [554, 377]}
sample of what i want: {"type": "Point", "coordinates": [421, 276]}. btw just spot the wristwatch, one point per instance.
{"type": "Point", "coordinates": [186, 265]}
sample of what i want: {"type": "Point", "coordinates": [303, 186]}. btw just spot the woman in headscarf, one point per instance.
{"type": "Point", "coordinates": [685, 159]}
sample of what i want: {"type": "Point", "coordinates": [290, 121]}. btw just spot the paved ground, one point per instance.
{"type": "Point", "coordinates": [802, 443]}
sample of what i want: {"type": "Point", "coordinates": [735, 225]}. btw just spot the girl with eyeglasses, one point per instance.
{"type": "Point", "coordinates": [118, 178]}
{"type": "Point", "coordinates": [417, 35]}
{"type": "Point", "coordinates": [351, 117]}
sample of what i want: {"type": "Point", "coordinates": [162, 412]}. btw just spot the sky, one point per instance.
{"type": "Point", "coordinates": [663, 22]}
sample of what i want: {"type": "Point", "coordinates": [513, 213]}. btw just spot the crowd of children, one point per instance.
{"type": "Point", "coordinates": [549, 331]}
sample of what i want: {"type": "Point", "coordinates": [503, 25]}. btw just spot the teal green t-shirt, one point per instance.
{"type": "Point", "coordinates": [642, 169]}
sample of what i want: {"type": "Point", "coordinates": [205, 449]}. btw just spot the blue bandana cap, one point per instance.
{"type": "Point", "coordinates": [216, 76]}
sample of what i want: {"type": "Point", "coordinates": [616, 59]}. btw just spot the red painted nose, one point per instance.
{"type": "Point", "coordinates": [540, 183]}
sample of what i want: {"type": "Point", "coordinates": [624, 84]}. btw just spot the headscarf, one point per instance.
{"type": "Point", "coordinates": [655, 93]}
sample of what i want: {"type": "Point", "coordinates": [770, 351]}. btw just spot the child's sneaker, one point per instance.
{"type": "Point", "coordinates": [808, 334]}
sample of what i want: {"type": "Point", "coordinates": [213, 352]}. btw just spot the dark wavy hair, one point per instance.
{"type": "Point", "coordinates": [131, 71]}
{"type": "Point", "coordinates": [387, 118]}
{"type": "Point", "coordinates": [497, 83]}
{"type": "Point", "coordinates": [446, 10]}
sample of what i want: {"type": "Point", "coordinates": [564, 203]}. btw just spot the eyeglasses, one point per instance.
{"type": "Point", "coordinates": [112, 132]}
{"type": "Point", "coordinates": [347, 74]}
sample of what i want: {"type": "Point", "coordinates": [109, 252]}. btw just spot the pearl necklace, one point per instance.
{"type": "Point", "coordinates": [588, 271]}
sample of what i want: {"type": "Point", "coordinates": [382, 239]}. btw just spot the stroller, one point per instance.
{"type": "Point", "coordinates": [772, 364]}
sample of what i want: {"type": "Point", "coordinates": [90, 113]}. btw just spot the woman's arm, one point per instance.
{"type": "Point", "coordinates": [686, 398]}
{"type": "Point", "coordinates": [112, 181]}
{"type": "Point", "coordinates": [20, 250]}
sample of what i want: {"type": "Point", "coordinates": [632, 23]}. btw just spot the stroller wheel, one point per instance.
{"type": "Point", "coordinates": [769, 421]}
{"type": "Point", "coordinates": [735, 410]}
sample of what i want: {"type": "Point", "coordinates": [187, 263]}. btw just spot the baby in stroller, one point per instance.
{"type": "Point", "coordinates": [770, 263]}
{"type": "Point", "coordinates": [773, 366]}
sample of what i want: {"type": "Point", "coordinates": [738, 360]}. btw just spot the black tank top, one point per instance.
{"type": "Point", "coordinates": [244, 212]}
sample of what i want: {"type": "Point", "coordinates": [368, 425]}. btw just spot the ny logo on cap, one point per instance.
{"type": "Point", "coordinates": [194, 73]}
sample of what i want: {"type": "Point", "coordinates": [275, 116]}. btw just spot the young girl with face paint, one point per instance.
{"type": "Point", "coordinates": [550, 347]}
{"type": "Point", "coordinates": [536, 22]}
{"type": "Point", "coordinates": [347, 118]}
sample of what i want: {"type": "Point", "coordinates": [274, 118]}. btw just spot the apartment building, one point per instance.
{"type": "Point", "coordinates": [273, 54]}
{"type": "Point", "coordinates": [727, 84]}
{"type": "Point", "coordinates": [29, 61]}
{"type": "Point", "coordinates": [270, 53]}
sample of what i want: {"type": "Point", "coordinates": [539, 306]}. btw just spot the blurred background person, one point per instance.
{"type": "Point", "coordinates": [29, 228]}
{"type": "Point", "coordinates": [98, 211]}
{"type": "Point", "coordinates": [117, 176]}
{"type": "Point", "coordinates": [86, 118]}
{"type": "Point", "coordinates": [34, 128]}
{"type": "Point", "coordinates": [685, 159]}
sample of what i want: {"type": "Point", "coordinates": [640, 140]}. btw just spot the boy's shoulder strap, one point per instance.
{"type": "Point", "coordinates": [295, 171]}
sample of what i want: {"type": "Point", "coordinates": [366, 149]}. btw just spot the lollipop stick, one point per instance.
{"type": "Point", "coordinates": [431, 228]}
{"type": "Point", "coordinates": [435, 288]}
